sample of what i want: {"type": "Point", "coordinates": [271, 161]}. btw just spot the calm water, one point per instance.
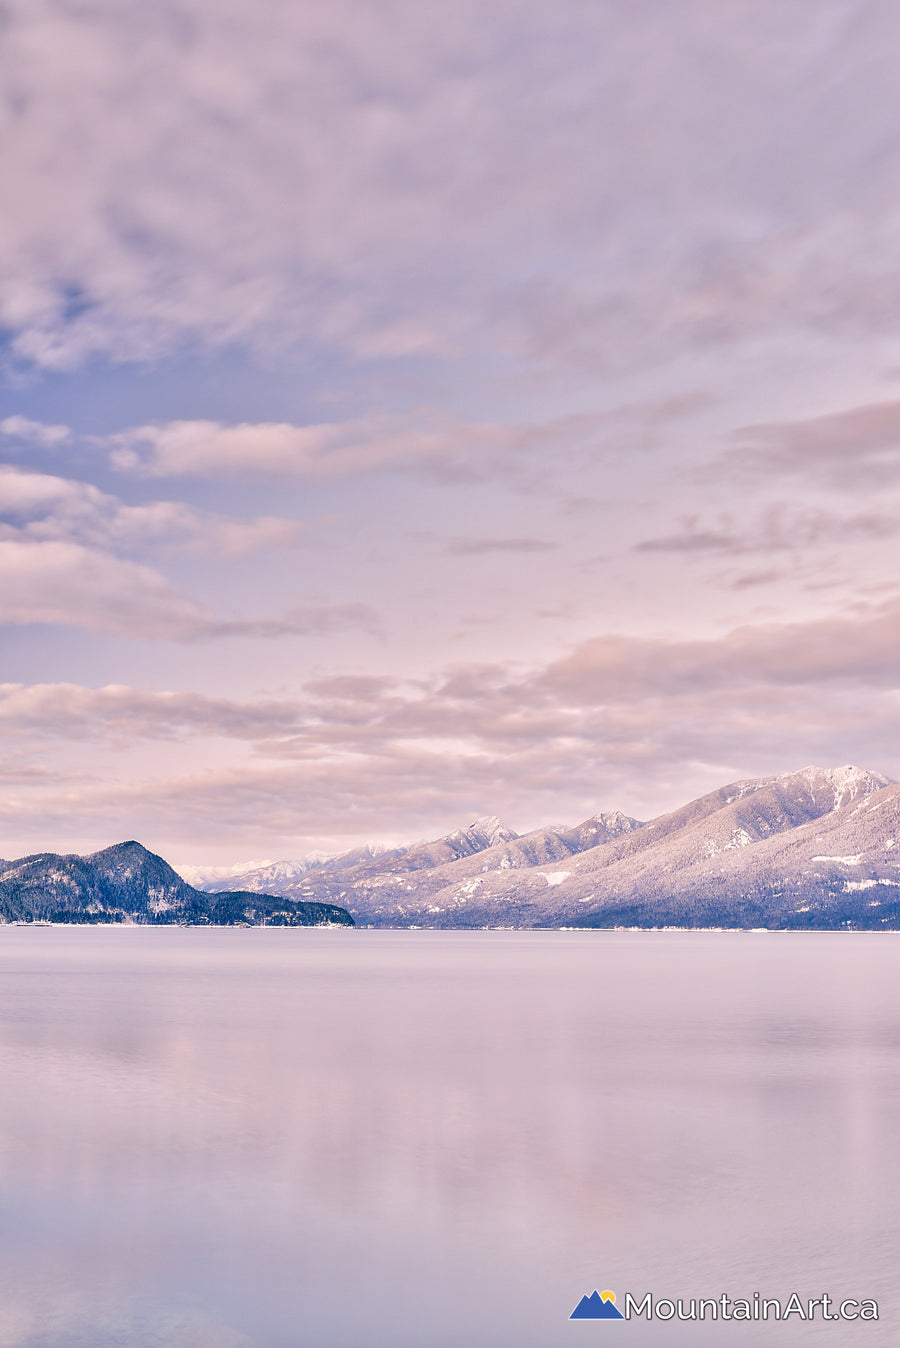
{"type": "Point", "coordinates": [301, 1139]}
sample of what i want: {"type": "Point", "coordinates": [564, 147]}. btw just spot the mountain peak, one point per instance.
{"type": "Point", "coordinates": [487, 831]}
{"type": "Point", "coordinates": [124, 853]}
{"type": "Point", "coordinates": [843, 783]}
{"type": "Point", "coordinates": [846, 782]}
{"type": "Point", "coordinates": [615, 822]}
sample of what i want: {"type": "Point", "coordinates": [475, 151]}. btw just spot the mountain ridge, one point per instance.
{"type": "Point", "coordinates": [712, 861]}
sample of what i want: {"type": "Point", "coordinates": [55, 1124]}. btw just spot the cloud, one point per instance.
{"type": "Point", "coordinates": [477, 547]}
{"type": "Point", "coordinates": [613, 695]}
{"type": "Point", "coordinates": [750, 580]}
{"type": "Point", "coordinates": [77, 586]}
{"type": "Point", "coordinates": [59, 711]}
{"type": "Point", "coordinates": [642, 759]}
{"type": "Point", "coordinates": [494, 708]}
{"type": "Point", "coordinates": [61, 561]}
{"type": "Point", "coordinates": [293, 173]}
{"type": "Point", "coordinates": [781, 528]}
{"type": "Point", "coordinates": [855, 449]}
{"type": "Point", "coordinates": [206, 448]}
{"type": "Point", "coordinates": [424, 441]}
{"type": "Point", "coordinates": [306, 620]}
{"type": "Point", "coordinates": [40, 507]}
{"type": "Point", "coordinates": [639, 724]}
{"type": "Point", "coordinates": [862, 649]}
{"type": "Point", "coordinates": [693, 539]}
{"type": "Point", "coordinates": [34, 432]}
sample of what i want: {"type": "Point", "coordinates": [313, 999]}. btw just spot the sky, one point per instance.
{"type": "Point", "coordinates": [411, 412]}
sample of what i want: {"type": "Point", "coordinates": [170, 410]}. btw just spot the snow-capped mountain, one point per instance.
{"type": "Point", "coordinates": [809, 848]}
{"type": "Point", "coordinates": [261, 875]}
{"type": "Point", "coordinates": [486, 844]}
{"type": "Point", "coordinates": [288, 876]}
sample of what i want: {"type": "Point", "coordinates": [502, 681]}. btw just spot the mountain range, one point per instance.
{"type": "Point", "coordinates": [126, 883]}
{"type": "Point", "coordinates": [817, 848]}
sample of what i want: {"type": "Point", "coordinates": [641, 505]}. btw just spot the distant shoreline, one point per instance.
{"type": "Point", "coordinates": [464, 931]}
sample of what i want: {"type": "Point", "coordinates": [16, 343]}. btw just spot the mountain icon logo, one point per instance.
{"type": "Point", "coordinates": [597, 1306]}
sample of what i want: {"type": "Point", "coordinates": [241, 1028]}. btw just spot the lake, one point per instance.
{"type": "Point", "coordinates": [276, 1138]}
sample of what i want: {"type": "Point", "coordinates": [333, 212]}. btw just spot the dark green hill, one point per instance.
{"type": "Point", "coordinates": [127, 883]}
{"type": "Point", "coordinates": [243, 908]}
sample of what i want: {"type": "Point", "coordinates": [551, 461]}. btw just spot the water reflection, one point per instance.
{"type": "Point", "coordinates": [274, 1139]}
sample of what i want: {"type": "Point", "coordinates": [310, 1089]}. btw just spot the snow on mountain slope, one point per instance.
{"type": "Point", "coordinates": [692, 850]}
{"type": "Point", "coordinates": [779, 844]}
{"type": "Point", "coordinates": [262, 876]}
